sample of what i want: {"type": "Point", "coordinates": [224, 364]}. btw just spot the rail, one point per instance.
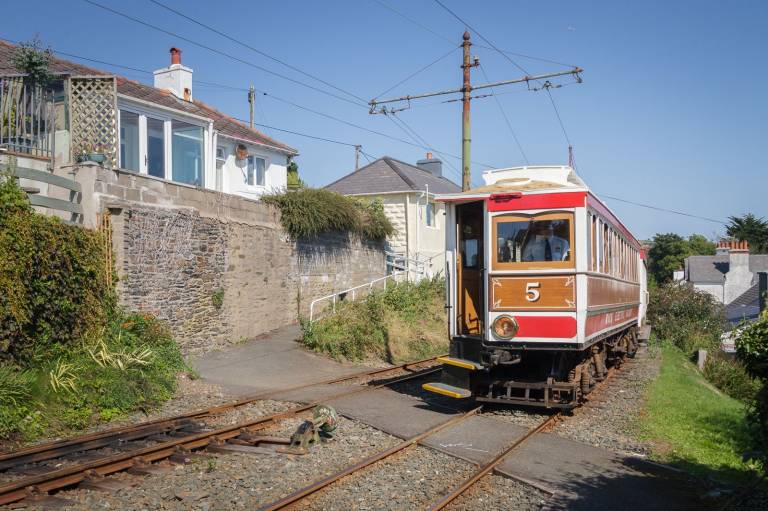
{"type": "Point", "coordinates": [27, 117]}
{"type": "Point", "coordinates": [71, 205]}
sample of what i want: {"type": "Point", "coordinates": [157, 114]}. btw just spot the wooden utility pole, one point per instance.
{"type": "Point", "coordinates": [251, 102]}
{"type": "Point", "coordinates": [466, 96]}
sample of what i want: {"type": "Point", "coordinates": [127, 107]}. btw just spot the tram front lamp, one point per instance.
{"type": "Point", "coordinates": [505, 327]}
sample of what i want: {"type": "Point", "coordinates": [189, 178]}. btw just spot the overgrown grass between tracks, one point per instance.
{"type": "Point", "coordinates": [693, 425]}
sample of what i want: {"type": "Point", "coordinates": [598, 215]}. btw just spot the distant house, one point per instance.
{"type": "Point", "coordinates": [407, 193]}
{"type": "Point", "coordinates": [160, 131]}
{"type": "Point", "coordinates": [731, 276]}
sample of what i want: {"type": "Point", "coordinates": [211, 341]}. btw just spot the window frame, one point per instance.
{"type": "Point", "coordinates": [430, 220]}
{"type": "Point", "coordinates": [255, 183]}
{"type": "Point", "coordinates": [533, 265]}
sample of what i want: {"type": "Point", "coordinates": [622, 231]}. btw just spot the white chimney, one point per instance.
{"type": "Point", "coordinates": [175, 78]}
{"type": "Point", "coordinates": [739, 278]}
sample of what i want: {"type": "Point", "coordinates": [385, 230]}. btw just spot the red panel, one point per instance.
{"type": "Point", "coordinates": [506, 202]}
{"type": "Point", "coordinates": [600, 322]}
{"type": "Point", "coordinates": [546, 326]}
{"type": "Point", "coordinates": [598, 206]}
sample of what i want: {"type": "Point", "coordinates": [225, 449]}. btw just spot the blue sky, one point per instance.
{"type": "Point", "coordinates": [672, 111]}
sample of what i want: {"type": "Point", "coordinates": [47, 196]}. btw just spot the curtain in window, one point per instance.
{"type": "Point", "coordinates": [187, 144]}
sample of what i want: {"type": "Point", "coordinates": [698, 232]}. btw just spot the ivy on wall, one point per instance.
{"type": "Point", "coordinates": [54, 284]}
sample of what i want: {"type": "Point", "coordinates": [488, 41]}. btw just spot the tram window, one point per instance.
{"type": "Point", "coordinates": [533, 240]}
{"type": "Point", "coordinates": [469, 256]}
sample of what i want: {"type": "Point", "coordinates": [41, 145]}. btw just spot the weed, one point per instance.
{"type": "Point", "coordinates": [217, 298]}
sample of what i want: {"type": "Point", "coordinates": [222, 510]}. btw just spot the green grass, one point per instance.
{"type": "Point", "coordinates": [692, 425]}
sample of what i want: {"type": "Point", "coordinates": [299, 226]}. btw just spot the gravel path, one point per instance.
{"type": "Point", "coordinates": [407, 480]}
{"type": "Point", "coordinates": [609, 421]}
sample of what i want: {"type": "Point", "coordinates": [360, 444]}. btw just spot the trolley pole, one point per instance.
{"type": "Point", "coordinates": [357, 157]}
{"type": "Point", "coordinates": [251, 102]}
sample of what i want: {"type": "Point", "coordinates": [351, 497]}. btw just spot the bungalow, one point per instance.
{"type": "Point", "coordinates": [159, 131]}
{"type": "Point", "coordinates": [407, 193]}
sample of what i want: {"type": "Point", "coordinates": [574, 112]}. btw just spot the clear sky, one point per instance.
{"type": "Point", "coordinates": [672, 111]}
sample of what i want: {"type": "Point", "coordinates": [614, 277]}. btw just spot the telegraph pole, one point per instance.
{"type": "Point", "coordinates": [251, 102]}
{"type": "Point", "coordinates": [466, 137]}
{"type": "Point", "coordinates": [377, 106]}
{"type": "Point", "coordinates": [357, 156]}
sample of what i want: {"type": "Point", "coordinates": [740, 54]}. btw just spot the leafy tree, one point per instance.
{"type": "Point", "coordinates": [700, 245]}
{"type": "Point", "coordinates": [30, 58]}
{"type": "Point", "coordinates": [749, 228]}
{"type": "Point", "coordinates": [669, 250]}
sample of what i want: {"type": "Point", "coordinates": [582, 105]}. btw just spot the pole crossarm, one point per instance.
{"type": "Point", "coordinates": [525, 79]}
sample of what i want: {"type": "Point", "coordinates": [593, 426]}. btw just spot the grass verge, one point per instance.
{"type": "Point", "coordinates": [405, 322]}
{"type": "Point", "coordinates": [692, 425]}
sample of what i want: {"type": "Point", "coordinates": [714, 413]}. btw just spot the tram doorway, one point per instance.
{"type": "Point", "coordinates": [470, 267]}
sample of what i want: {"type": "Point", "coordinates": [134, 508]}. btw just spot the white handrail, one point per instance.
{"type": "Point", "coordinates": [352, 290]}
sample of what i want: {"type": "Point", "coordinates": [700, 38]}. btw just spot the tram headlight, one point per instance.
{"type": "Point", "coordinates": [505, 327]}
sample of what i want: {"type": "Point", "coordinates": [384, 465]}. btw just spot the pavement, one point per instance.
{"type": "Point", "coordinates": [577, 475]}
{"type": "Point", "coordinates": [271, 361]}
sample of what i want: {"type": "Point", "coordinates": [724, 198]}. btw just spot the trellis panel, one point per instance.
{"type": "Point", "coordinates": [93, 115]}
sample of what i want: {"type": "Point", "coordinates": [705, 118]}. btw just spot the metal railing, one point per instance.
{"type": "Point", "coordinates": [27, 117]}
{"type": "Point", "coordinates": [352, 293]}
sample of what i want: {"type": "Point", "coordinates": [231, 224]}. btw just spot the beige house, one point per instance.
{"type": "Point", "coordinates": [407, 193]}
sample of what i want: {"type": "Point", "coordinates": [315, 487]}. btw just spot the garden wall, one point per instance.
{"type": "Point", "coordinates": [218, 268]}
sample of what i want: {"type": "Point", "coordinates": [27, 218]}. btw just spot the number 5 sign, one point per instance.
{"type": "Point", "coordinates": [532, 293]}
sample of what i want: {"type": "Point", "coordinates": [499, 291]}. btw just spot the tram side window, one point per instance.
{"type": "Point", "coordinates": [533, 240]}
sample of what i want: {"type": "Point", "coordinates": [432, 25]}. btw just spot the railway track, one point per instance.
{"type": "Point", "coordinates": [174, 438]}
{"type": "Point", "coordinates": [293, 499]}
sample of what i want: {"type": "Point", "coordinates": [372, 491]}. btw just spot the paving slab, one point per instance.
{"type": "Point", "coordinates": [476, 439]}
{"type": "Point", "coordinates": [397, 414]}
{"type": "Point", "coordinates": [588, 478]}
{"type": "Point", "coordinates": [271, 361]}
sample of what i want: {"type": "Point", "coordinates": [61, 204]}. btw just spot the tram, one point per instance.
{"type": "Point", "coordinates": [546, 289]}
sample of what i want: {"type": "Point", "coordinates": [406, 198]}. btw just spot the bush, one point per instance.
{"type": "Point", "coordinates": [731, 377]}
{"type": "Point", "coordinates": [404, 322]}
{"type": "Point", "coordinates": [308, 212]}
{"type": "Point", "coordinates": [752, 348]}
{"type": "Point", "coordinates": [53, 280]}
{"type": "Point", "coordinates": [686, 317]}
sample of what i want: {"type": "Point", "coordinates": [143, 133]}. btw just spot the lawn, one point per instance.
{"type": "Point", "coordinates": [692, 425]}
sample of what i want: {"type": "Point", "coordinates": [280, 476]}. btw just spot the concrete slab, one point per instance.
{"type": "Point", "coordinates": [397, 414]}
{"type": "Point", "coordinates": [588, 478]}
{"type": "Point", "coordinates": [477, 439]}
{"type": "Point", "coordinates": [271, 361]}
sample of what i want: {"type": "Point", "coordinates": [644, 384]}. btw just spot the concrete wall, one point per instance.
{"type": "Point", "coordinates": [179, 249]}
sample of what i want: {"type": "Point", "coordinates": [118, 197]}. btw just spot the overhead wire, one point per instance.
{"type": "Point", "coordinates": [256, 50]}
{"type": "Point", "coordinates": [676, 212]}
{"type": "Point", "coordinates": [417, 72]}
{"type": "Point", "coordinates": [223, 53]}
{"type": "Point", "coordinates": [506, 119]}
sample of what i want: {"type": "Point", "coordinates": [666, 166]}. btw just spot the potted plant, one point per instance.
{"type": "Point", "coordinates": [91, 152]}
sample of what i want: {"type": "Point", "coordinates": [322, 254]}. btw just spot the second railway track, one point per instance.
{"type": "Point", "coordinates": [178, 436]}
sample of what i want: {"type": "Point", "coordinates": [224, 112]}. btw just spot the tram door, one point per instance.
{"type": "Point", "coordinates": [469, 264]}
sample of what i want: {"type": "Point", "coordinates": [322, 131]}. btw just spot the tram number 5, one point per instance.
{"type": "Point", "coordinates": [532, 293]}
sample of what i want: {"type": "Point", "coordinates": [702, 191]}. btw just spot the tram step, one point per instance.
{"type": "Point", "coordinates": [460, 362]}
{"type": "Point", "coordinates": [447, 390]}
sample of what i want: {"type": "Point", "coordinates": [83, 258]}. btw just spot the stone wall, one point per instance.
{"type": "Point", "coordinates": [218, 268]}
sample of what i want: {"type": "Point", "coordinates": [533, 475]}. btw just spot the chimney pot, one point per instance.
{"type": "Point", "coordinates": [429, 156]}
{"type": "Point", "coordinates": [175, 56]}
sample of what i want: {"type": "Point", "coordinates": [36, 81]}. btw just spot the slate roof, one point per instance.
{"type": "Point", "coordinates": [387, 175]}
{"type": "Point", "coordinates": [710, 269]}
{"type": "Point", "coordinates": [745, 306]}
{"type": "Point", "coordinates": [223, 123]}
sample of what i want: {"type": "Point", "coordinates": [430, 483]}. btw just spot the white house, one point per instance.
{"type": "Point", "coordinates": [166, 133]}
{"type": "Point", "coordinates": [407, 193]}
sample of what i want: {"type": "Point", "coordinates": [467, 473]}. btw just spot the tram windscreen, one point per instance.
{"type": "Point", "coordinates": [519, 241]}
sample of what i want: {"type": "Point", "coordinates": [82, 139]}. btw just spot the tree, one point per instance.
{"type": "Point", "coordinates": [751, 229]}
{"type": "Point", "coordinates": [294, 181]}
{"type": "Point", "coordinates": [700, 245]}
{"type": "Point", "coordinates": [666, 255]}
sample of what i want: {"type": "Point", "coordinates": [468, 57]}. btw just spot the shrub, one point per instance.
{"type": "Point", "coordinates": [752, 348]}
{"type": "Point", "coordinates": [404, 322]}
{"type": "Point", "coordinates": [53, 284]}
{"type": "Point", "coordinates": [308, 212]}
{"type": "Point", "coordinates": [686, 317]}
{"type": "Point", "coordinates": [731, 377]}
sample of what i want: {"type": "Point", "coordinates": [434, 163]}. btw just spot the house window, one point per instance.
{"type": "Point", "coordinates": [187, 149]}
{"type": "Point", "coordinates": [255, 171]}
{"type": "Point", "coordinates": [430, 214]}
{"type": "Point", "coordinates": [155, 147]}
{"type": "Point", "coordinates": [129, 141]}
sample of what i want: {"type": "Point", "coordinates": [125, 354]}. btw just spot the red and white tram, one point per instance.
{"type": "Point", "coordinates": [546, 289]}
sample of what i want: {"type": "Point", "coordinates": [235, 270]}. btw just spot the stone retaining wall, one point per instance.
{"type": "Point", "coordinates": [218, 268]}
